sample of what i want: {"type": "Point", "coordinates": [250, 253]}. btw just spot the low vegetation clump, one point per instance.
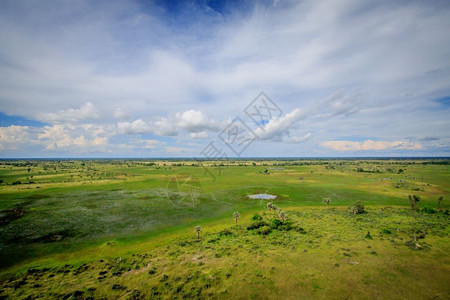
{"type": "Point", "coordinates": [357, 208]}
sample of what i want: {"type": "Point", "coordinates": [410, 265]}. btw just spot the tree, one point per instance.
{"type": "Point", "coordinates": [236, 216]}
{"type": "Point", "coordinates": [326, 201]}
{"type": "Point", "coordinates": [441, 198]}
{"type": "Point", "coordinates": [357, 208]}
{"type": "Point", "coordinates": [198, 229]}
{"type": "Point", "coordinates": [275, 208]}
{"type": "Point", "coordinates": [269, 206]}
{"type": "Point", "coordinates": [282, 215]}
{"type": "Point", "coordinates": [413, 200]}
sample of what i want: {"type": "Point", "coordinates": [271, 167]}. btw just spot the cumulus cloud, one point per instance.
{"type": "Point", "coordinates": [199, 135]}
{"type": "Point", "coordinates": [71, 138]}
{"type": "Point", "coordinates": [12, 137]}
{"type": "Point", "coordinates": [196, 121]}
{"type": "Point", "coordinates": [136, 127]}
{"type": "Point", "coordinates": [193, 121]}
{"type": "Point", "coordinates": [85, 112]}
{"type": "Point", "coordinates": [120, 114]}
{"type": "Point", "coordinates": [370, 145]}
{"type": "Point", "coordinates": [150, 144]}
{"type": "Point", "coordinates": [276, 128]}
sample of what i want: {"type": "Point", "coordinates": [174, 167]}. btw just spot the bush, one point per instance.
{"type": "Point", "coordinates": [300, 229]}
{"type": "Point", "coordinates": [256, 217]}
{"type": "Point", "coordinates": [357, 208]}
{"type": "Point", "coordinates": [256, 225]}
{"type": "Point", "coordinates": [276, 223]}
{"type": "Point", "coordinates": [429, 210]}
{"type": "Point", "coordinates": [368, 236]}
{"type": "Point", "coordinates": [386, 231]}
{"type": "Point", "coordinates": [265, 230]}
{"type": "Point", "coordinates": [225, 232]}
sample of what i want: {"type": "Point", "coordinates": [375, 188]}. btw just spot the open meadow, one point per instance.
{"type": "Point", "coordinates": [139, 229]}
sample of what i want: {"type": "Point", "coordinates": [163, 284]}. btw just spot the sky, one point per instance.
{"type": "Point", "coordinates": [212, 79]}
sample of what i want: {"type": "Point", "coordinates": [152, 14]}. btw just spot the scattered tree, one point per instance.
{"type": "Point", "coordinates": [236, 216]}
{"type": "Point", "coordinates": [326, 201]}
{"type": "Point", "coordinates": [269, 206]}
{"type": "Point", "coordinates": [198, 229]}
{"type": "Point", "coordinates": [357, 208]}
{"type": "Point", "coordinates": [413, 200]}
{"type": "Point", "coordinates": [275, 209]}
{"type": "Point", "coordinates": [439, 207]}
{"type": "Point", "coordinates": [282, 215]}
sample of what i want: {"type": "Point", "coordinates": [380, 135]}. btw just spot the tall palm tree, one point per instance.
{"type": "Point", "coordinates": [198, 229]}
{"type": "Point", "coordinates": [236, 216]}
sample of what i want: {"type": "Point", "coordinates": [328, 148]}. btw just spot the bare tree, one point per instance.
{"type": "Point", "coordinates": [198, 229]}
{"type": "Point", "coordinates": [439, 207]}
{"type": "Point", "coordinates": [413, 200]}
{"type": "Point", "coordinates": [236, 216]}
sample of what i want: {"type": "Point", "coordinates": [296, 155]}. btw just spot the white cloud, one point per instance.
{"type": "Point", "coordinates": [12, 137]}
{"type": "Point", "coordinates": [85, 112]}
{"type": "Point", "coordinates": [73, 138]}
{"type": "Point", "coordinates": [276, 128]}
{"type": "Point", "coordinates": [150, 144]}
{"type": "Point", "coordinates": [298, 139]}
{"type": "Point", "coordinates": [136, 127]}
{"type": "Point", "coordinates": [370, 145]}
{"type": "Point", "coordinates": [199, 135]}
{"type": "Point", "coordinates": [164, 126]}
{"type": "Point", "coordinates": [120, 114]}
{"type": "Point", "coordinates": [196, 121]}
{"type": "Point", "coordinates": [179, 150]}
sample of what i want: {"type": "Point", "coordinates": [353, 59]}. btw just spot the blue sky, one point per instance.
{"type": "Point", "coordinates": [167, 78]}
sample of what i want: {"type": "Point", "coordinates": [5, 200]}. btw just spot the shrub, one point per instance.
{"type": "Point", "coordinates": [368, 236]}
{"type": "Point", "coordinates": [357, 208]}
{"type": "Point", "coordinates": [386, 231]}
{"type": "Point", "coordinates": [300, 230]}
{"type": "Point", "coordinates": [326, 201]}
{"type": "Point", "coordinates": [429, 210]}
{"type": "Point", "coordinates": [256, 225]}
{"type": "Point", "coordinates": [256, 217]}
{"type": "Point", "coordinates": [225, 232]}
{"type": "Point", "coordinates": [276, 223]}
{"type": "Point", "coordinates": [264, 230]}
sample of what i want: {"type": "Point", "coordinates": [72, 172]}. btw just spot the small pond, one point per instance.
{"type": "Point", "coordinates": [262, 196]}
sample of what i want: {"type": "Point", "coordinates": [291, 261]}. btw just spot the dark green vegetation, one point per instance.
{"type": "Point", "coordinates": [125, 229]}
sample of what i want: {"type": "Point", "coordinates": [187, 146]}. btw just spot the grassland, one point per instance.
{"type": "Point", "coordinates": [125, 229]}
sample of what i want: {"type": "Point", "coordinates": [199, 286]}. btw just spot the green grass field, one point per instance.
{"type": "Point", "coordinates": [124, 229]}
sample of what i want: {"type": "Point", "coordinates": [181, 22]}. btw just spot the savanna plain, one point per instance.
{"type": "Point", "coordinates": [186, 229]}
